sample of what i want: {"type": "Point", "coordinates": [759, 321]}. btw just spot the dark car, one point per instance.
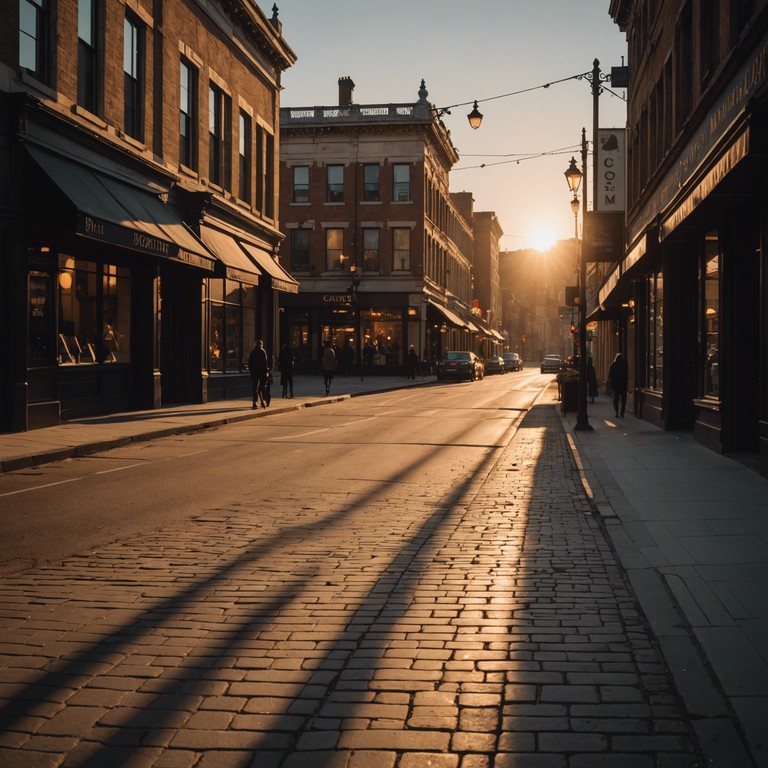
{"type": "Point", "coordinates": [512, 361]}
{"type": "Point", "coordinates": [494, 364]}
{"type": "Point", "coordinates": [551, 364]}
{"type": "Point", "coordinates": [460, 365]}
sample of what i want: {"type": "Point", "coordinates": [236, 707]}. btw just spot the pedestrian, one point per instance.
{"type": "Point", "coordinates": [618, 374]}
{"type": "Point", "coordinates": [591, 379]}
{"type": "Point", "coordinates": [286, 360]}
{"type": "Point", "coordinates": [412, 363]}
{"type": "Point", "coordinates": [347, 358]}
{"type": "Point", "coordinates": [328, 366]}
{"type": "Point", "coordinates": [258, 366]}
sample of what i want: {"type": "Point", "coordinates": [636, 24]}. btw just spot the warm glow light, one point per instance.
{"type": "Point", "coordinates": [543, 238]}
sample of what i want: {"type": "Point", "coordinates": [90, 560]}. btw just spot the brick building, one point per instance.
{"type": "Point", "coordinates": [382, 252]}
{"type": "Point", "coordinates": [138, 217]}
{"type": "Point", "coordinates": [693, 280]}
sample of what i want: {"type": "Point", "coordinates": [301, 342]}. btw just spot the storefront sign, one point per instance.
{"type": "Point", "coordinates": [610, 169]}
{"type": "Point", "coordinates": [603, 236]}
{"type": "Point", "coordinates": [337, 298]}
{"type": "Point", "coordinates": [98, 229]}
{"type": "Point", "coordinates": [284, 285]}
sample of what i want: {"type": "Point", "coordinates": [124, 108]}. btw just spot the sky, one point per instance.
{"type": "Point", "coordinates": [467, 50]}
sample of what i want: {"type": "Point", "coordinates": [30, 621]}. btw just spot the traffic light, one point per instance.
{"type": "Point", "coordinates": [573, 330]}
{"type": "Point", "coordinates": [522, 339]}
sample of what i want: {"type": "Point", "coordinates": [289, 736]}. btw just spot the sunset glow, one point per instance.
{"type": "Point", "coordinates": [543, 238]}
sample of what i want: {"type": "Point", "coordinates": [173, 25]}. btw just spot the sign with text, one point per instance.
{"type": "Point", "coordinates": [603, 236]}
{"type": "Point", "coordinates": [610, 169]}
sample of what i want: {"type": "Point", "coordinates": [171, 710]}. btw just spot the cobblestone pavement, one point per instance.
{"type": "Point", "coordinates": [490, 628]}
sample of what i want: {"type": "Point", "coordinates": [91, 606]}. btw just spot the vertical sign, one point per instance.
{"type": "Point", "coordinates": [610, 169]}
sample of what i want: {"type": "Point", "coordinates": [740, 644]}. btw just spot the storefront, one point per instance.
{"type": "Point", "coordinates": [693, 280]}
{"type": "Point", "coordinates": [377, 329]}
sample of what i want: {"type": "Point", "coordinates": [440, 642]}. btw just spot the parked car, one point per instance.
{"type": "Point", "coordinates": [551, 364]}
{"type": "Point", "coordinates": [494, 364]}
{"type": "Point", "coordinates": [460, 365]}
{"type": "Point", "coordinates": [512, 361]}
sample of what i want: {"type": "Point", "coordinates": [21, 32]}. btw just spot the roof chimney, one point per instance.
{"type": "Point", "coordinates": [346, 86]}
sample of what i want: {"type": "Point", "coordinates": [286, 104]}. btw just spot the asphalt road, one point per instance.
{"type": "Point", "coordinates": [426, 440]}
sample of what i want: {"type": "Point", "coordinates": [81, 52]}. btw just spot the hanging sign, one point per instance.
{"type": "Point", "coordinates": [609, 168]}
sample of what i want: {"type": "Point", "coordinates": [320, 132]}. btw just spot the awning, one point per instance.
{"type": "Point", "coordinates": [281, 280]}
{"type": "Point", "coordinates": [111, 211]}
{"type": "Point", "coordinates": [451, 317]}
{"type": "Point", "coordinates": [237, 266]}
{"type": "Point", "coordinates": [472, 327]}
{"type": "Point", "coordinates": [735, 153]}
{"type": "Point", "coordinates": [497, 335]}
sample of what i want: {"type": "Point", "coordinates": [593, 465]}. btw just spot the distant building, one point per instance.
{"type": "Point", "coordinates": [691, 286]}
{"type": "Point", "coordinates": [486, 301]}
{"type": "Point", "coordinates": [138, 215]}
{"type": "Point", "coordinates": [382, 252]}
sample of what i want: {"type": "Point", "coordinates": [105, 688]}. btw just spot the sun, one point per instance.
{"type": "Point", "coordinates": [543, 238]}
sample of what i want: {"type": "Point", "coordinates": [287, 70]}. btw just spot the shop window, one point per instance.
{"type": "Point", "coordinates": [401, 176]}
{"type": "Point", "coordinates": [187, 114]}
{"type": "Point", "coordinates": [244, 156]}
{"type": "Point", "coordinates": [371, 250]}
{"type": "Point", "coordinates": [300, 250]}
{"type": "Point", "coordinates": [371, 183]}
{"type": "Point", "coordinates": [94, 326]}
{"type": "Point", "coordinates": [382, 331]}
{"type": "Point", "coordinates": [133, 78]}
{"type": "Point", "coordinates": [334, 249]}
{"type": "Point", "coordinates": [401, 248]}
{"type": "Point", "coordinates": [87, 52]}
{"type": "Point", "coordinates": [710, 320]}
{"type": "Point", "coordinates": [34, 23]}
{"type": "Point", "coordinates": [231, 325]}
{"type": "Point", "coordinates": [655, 291]}
{"type": "Point", "coordinates": [301, 184]}
{"type": "Point", "coordinates": [335, 184]}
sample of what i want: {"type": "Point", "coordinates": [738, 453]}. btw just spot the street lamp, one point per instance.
{"type": "Point", "coordinates": [475, 117]}
{"type": "Point", "coordinates": [573, 177]}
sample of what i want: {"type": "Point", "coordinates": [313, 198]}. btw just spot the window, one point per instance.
{"type": "Point", "coordinates": [33, 37]}
{"type": "Point", "coordinates": [335, 184]}
{"type": "Point", "coordinates": [401, 175]}
{"type": "Point", "coordinates": [86, 55]}
{"type": "Point", "coordinates": [133, 86]}
{"type": "Point", "coordinates": [656, 331]}
{"type": "Point", "coordinates": [371, 250]}
{"type": "Point", "coordinates": [244, 157]}
{"type": "Point", "coordinates": [231, 325]}
{"type": "Point", "coordinates": [41, 319]}
{"type": "Point", "coordinates": [93, 296]}
{"type": "Point", "coordinates": [218, 132]}
{"type": "Point", "coordinates": [188, 115]}
{"type": "Point", "coordinates": [401, 248]}
{"type": "Point", "coordinates": [300, 250]}
{"type": "Point", "coordinates": [301, 184]}
{"type": "Point", "coordinates": [265, 172]}
{"type": "Point", "coordinates": [709, 40]}
{"type": "Point", "coordinates": [334, 248]}
{"type": "Point", "coordinates": [710, 320]}
{"type": "Point", "coordinates": [371, 183]}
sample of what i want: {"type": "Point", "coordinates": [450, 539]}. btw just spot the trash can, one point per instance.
{"type": "Point", "coordinates": [570, 390]}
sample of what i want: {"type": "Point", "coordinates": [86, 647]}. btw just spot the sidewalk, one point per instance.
{"type": "Point", "coordinates": [691, 529]}
{"type": "Point", "coordinates": [99, 433]}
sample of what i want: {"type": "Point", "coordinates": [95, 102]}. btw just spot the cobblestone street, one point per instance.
{"type": "Point", "coordinates": [489, 627]}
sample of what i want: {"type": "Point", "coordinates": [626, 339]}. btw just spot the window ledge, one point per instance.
{"type": "Point", "coordinates": [299, 205]}
{"type": "Point", "coordinates": [371, 202]}
{"type": "Point", "coordinates": [707, 403]}
{"type": "Point", "coordinates": [30, 80]}
{"type": "Point", "coordinates": [187, 171]}
{"type": "Point", "coordinates": [340, 205]}
{"type": "Point", "coordinates": [136, 143]}
{"type": "Point", "coordinates": [88, 115]}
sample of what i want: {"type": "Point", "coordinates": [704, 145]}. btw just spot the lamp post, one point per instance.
{"type": "Point", "coordinates": [573, 177]}
{"type": "Point", "coordinates": [355, 295]}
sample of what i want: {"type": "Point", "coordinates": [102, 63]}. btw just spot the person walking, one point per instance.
{"type": "Point", "coordinates": [618, 374]}
{"type": "Point", "coordinates": [412, 363]}
{"type": "Point", "coordinates": [591, 379]}
{"type": "Point", "coordinates": [286, 360]}
{"type": "Point", "coordinates": [259, 369]}
{"type": "Point", "coordinates": [328, 366]}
